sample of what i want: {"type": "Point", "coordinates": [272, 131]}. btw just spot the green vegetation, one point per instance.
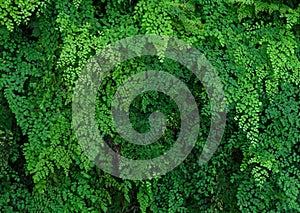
{"type": "Point", "coordinates": [254, 47]}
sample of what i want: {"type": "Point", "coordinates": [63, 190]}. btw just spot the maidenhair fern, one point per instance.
{"type": "Point", "coordinates": [254, 47]}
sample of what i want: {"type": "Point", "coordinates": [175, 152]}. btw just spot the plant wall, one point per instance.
{"type": "Point", "coordinates": [254, 47]}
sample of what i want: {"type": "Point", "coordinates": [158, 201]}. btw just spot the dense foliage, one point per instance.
{"type": "Point", "coordinates": [254, 47]}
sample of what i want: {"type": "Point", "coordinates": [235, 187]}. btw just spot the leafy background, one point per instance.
{"type": "Point", "coordinates": [254, 47]}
